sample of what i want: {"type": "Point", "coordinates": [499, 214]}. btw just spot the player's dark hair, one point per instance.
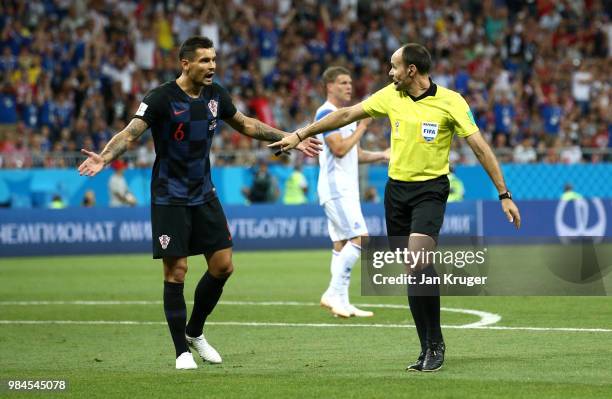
{"type": "Point", "coordinates": [417, 55]}
{"type": "Point", "coordinates": [189, 46]}
{"type": "Point", "coordinates": [331, 73]}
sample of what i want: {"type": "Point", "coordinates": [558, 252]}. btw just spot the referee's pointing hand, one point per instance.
{"type": "Point", "coordinates": [287, 143]}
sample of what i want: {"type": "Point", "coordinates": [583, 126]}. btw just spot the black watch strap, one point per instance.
{"type": "Point", "coordinates": [505, 195]}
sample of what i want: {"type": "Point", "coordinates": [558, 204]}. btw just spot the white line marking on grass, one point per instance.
{"type": "Point", "coordinates": [84, 303]}
{"type": "Point", "coordinates": [316, 325]}
{"type": "Point", "coordinates": [486, 318]}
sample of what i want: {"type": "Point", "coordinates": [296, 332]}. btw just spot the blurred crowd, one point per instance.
{"type": "Point", "coordinates": [535, 72]}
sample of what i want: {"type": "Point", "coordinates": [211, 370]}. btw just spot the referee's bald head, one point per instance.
{"type": "Point", "coordinates": [417, 55]}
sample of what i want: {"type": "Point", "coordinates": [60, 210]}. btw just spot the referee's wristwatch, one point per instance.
{"type": "Point", "coordinates": [506, 195]}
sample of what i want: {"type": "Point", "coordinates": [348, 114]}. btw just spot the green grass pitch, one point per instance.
{"type": "Point", "coordinates": [293, 349]}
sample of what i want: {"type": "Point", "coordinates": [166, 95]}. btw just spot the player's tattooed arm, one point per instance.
{"type": "Point", "coordinates": [260, 131]}
{"type": "Point", "coordinates": [115, 147]}
{"type": "Point", "coordinates": [254, 128]}
{"type": "Point", "coordinates": [123, 140]}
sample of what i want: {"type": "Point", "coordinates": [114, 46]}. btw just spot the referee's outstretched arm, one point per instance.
{"type": "Point", "coordinates": [487, 158]}
{"type": "Point", "coordinates": [332, 121]}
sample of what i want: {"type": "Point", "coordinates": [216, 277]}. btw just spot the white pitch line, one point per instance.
{"type": "Point", "coordinates": [316, 325]}
{"type": "Point", "coordinates": [486, 318]}
{"type": "Point", "coordinates": [80, 303]}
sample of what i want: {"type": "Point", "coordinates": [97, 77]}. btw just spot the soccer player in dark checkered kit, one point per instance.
{"type": "Point", "coordinates": [186, 215]}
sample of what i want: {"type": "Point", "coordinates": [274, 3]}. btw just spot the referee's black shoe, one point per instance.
{"type": "Point", "coordinates": [418, 365]}
{"type": "Point", "coordinates": [434, 357]}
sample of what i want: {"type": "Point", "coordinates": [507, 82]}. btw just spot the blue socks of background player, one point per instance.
{"type": "Point", "coordinates": [206, 296]}
{"type": "Point", "coordinates": [176, 315]}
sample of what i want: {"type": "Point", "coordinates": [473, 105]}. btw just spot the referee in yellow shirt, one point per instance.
{"type": "Point", "coordinates": [424, 117]}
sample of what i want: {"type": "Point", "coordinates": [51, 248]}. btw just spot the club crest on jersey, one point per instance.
{"type": "Point", "coordinates": [212, 106]}
{"type": "Point", "coordinates": [164, 240]}
{"type": "Point", "coordinates": [429, 131]}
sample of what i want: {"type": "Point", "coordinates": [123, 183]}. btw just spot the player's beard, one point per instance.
{"type": "Point", "coordinates": [197, 79]}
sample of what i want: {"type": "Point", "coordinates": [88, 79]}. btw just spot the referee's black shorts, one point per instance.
{"type": "Point", "coordinates": [180, 231]}
{"type": "Point", "coordinates": [416, 207]}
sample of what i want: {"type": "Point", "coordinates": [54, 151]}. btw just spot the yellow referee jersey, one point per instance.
{"type": "Point", "coordinates": [421, 130]}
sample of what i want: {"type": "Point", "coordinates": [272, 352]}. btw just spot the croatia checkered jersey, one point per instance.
{"type": "Point", "coordinates": [338, 177]}
{"type": "Point", "coordinates": [183, 128]}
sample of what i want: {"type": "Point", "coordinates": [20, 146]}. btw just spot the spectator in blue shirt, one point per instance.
{"type": "Point", "coordinates": [462, 81]}
{"type": "Point", "coordinates": [62, 111]}
{"type": "Point", "coordinates": [8, 105]}
{"type": "Point", "coordinates": [267, 43]}
{"type": "Point", "coordinates": [337, 39]}
{"type": "Point", "coordinates": [317, 47]}
{"type": "Point", "coordinates": [551, 113]}
{"type": "Point", "coordinates": [8, 61]}
{"type": "Point", "coordinates": [30, 113]}
{"type": "Point", "coordinates": [504, 112]}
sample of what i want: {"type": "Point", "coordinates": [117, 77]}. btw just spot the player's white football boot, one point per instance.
{"type": "Point", "coordinates": [335, 305]}
{"type": "Point", "coordinates": [355, 311]}
{"type": "Point", "coordinates": [204, 349]}
{"type": "Point", "coordinates": [185, 362]}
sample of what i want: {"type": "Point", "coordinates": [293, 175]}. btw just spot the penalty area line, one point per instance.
{"type": "Point", "coordinates": [485, 318]}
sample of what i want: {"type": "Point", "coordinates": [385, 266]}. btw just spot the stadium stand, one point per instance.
{"type": "Point", "coordinates": [536, 73]}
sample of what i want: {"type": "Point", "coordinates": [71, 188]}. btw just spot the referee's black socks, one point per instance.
{"type": "Point", "coordinates": [206, 296]}
{"type": "Point", "coordinates": [432, 307]}
{"type": "Point", "coordinates": [417, 309]}
{"type": "Point", "coordinates": [424, 301]}
{"type": "Point", "coordinates": [176, 315]}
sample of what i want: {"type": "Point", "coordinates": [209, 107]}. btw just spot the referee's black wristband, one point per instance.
{"type": "Point", "coordinates": [506, 195]}
{"type": "Point", "coordinates": [297, 134]}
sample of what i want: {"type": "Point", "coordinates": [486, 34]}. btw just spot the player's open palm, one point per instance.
{"type": "Point", "coordinates": [310, 147]}
{"type": "Point", "coordinates": [92, 165]}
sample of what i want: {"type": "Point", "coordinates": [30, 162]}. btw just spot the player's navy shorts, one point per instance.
{"type": "Point", "coordinates": [416, 207]}
{"type": "Point", "coordinates": [180, 231]}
